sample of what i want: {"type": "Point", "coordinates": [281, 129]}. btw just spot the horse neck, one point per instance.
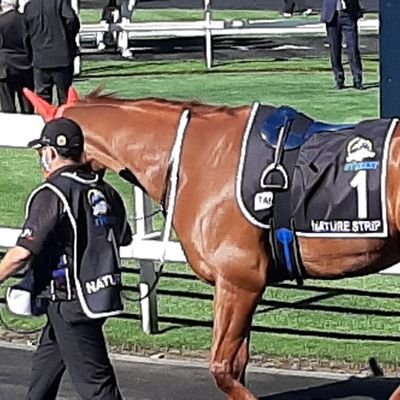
{"type": "Point", "coordinates": [149, 149]}
{"type": "Point", "coordinates": [139, 138]}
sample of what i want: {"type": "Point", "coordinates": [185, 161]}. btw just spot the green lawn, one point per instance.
{"type": "Point", "coordinates": [306, 85]}
{"type": "Point", "coordinates": [171, 14]}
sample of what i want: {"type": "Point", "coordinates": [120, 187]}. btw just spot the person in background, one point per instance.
{"type": "Point", "coordinates": [16, 70]}
{"type": "Point", "coordinates": [341, 20]}
{"type": "Point", "coordinates": [70, 244]}
{"type": "Point", "coordinates": [289, 7]}
{"type": "Point", "coordinates": [52, 26]}
{"type": "Point", "coordinates": [111, 14]}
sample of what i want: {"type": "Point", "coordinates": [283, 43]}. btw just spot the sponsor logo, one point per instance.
{"type": "Point", "coordinates": [359, 166]}
{"type": "Point", "coordinates": [61, 140]}
{"type": "Point", "coordinates": [346, 226]}
{"type": "Point", "coordinates": [102, 282]}
{"type": "Point", "coordinates": [98, 202]}
{"type": "Point", "coordinates": [263, 201]}
{"type": "Point", "coordinates": [359, 149]}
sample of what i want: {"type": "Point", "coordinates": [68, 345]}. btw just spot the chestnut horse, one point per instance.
{"type": "Point", "coordinates": [220, 244]}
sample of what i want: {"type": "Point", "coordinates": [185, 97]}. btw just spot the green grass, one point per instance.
{"type": "Point", "coordinates": [171, 14]}
{"type": "Point", "coordinates": [303, 84]}
{"type": "Point", "coordinates": [298, 83]}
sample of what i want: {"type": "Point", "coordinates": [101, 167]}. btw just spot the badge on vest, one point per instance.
{"type": "Point", "coordinates": [100, 207]}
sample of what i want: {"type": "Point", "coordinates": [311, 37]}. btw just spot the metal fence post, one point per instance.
{"type": "Point", "coordinates": [208, 34]}
{"type": "Point", "coordinates": [148, 304]}
{"type": "Point", "coordinates": [77, 60]}
{"type": "Point", "coordinates": [143, 207]}
{"type": "Point", "coordinates": [144, 226]}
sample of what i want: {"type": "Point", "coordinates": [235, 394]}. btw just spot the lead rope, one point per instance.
{"type": "Point", "coordinates": [172, 174]}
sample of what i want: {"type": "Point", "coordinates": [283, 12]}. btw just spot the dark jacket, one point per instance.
{"type": "Point", "coordinates": [52, 27]}
{"type": "Point", "coordinates": [77, 256]}
{"type": "Point", "coordinates": [329, 9]}
{"type": "Point", "coordinates": [15, 56]}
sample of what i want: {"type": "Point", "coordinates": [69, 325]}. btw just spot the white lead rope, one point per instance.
{"type": "Point", "coordinates": [175, 161]}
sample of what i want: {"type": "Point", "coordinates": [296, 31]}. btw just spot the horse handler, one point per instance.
{"type": "Point", "coordinates": [69, 241]}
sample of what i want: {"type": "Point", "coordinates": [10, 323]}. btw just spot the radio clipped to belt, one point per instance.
{"type": "Point", "coordinates": [60, 284]}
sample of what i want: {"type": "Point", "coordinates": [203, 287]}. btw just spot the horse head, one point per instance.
{"type": "Point", "coordinates": [94, 154]}
{"type": "Point", "coordinates": [133, 138]}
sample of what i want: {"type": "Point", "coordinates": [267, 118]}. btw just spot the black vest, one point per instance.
{"type": "Point", "coordinates": [83, 262]}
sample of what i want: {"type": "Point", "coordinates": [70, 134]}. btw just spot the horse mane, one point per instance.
{"type": "Point", "coordinates": [98, 96]}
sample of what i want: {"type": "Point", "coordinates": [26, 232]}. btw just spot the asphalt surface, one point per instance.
{"type": "Point", "coordinates": [146, 379]}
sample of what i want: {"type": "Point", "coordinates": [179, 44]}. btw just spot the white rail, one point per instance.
{"type": "Point", "coordinates": [209, 29]}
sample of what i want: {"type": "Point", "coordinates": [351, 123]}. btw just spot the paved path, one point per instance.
{"type": "Point", "coordinates": [145, 379]}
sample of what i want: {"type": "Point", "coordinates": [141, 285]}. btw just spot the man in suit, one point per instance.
{"type": "Point", "coordinates": [15, 59]}
{"type": "Point", "coordinates": [52, 27]}
{"type": "Point", "coordinates": [341, 18]}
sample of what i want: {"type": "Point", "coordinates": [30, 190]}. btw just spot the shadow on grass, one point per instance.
{"type": "Point", "coordinates": [310, 303]}
{"type": "Point", "coordinates": [354, 389]}
{"type": "Point", "coordinates": [182, 322]}
{"type": "Point", "coordinates": [371, 85]}
{"type": "Point", "coordinates": [220, 67]}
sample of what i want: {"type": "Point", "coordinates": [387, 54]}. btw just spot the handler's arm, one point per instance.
{"type": "Point", "coordinates": [14, 260]}
{"type": "Point", "coordinates": [44, 211]}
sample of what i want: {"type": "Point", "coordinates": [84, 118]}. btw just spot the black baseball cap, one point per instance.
{"type": "Point", "coordinates": [61, 133]}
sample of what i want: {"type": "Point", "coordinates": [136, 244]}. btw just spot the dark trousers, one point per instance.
{"type": "Point", "coordinates": [290, 5]}
{"type": "Point", "coordinates": [11, 88]}
{"type": "Point", "coordinates": [47, 78]}
{"type": "Point", "coordinates": [344, 26]}
{"type": "Point", "coordinates": [80, 348]}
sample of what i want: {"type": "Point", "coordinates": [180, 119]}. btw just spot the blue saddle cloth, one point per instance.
{"type": "Point", "coordinates": [301, 129]}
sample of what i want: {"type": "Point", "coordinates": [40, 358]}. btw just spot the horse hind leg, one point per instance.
{"type": "Point", "coordinates": [234, 308]}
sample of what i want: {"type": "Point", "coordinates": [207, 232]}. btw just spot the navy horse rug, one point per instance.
{"type": "Point", "coordinates": [324, 180]}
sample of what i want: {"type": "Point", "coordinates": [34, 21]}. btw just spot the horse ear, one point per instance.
{"type": "Point", "coordinates": [73, 95]}
{"type": "Point", "coordinates": [43, 108]}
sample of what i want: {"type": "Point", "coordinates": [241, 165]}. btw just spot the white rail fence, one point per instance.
{"type": "Point", "coordinates": [146, 247]}
{"type": "Point", "coordinates": [207, 28]}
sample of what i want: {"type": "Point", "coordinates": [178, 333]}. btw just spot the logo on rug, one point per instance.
{"type": "Point", "coordinates": [359, 149]}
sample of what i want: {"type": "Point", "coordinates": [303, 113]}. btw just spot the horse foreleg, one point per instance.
{"type": "Point", "coordinates": [234, 308]}
{"type": "Point", "coordinates": [241, 360]}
